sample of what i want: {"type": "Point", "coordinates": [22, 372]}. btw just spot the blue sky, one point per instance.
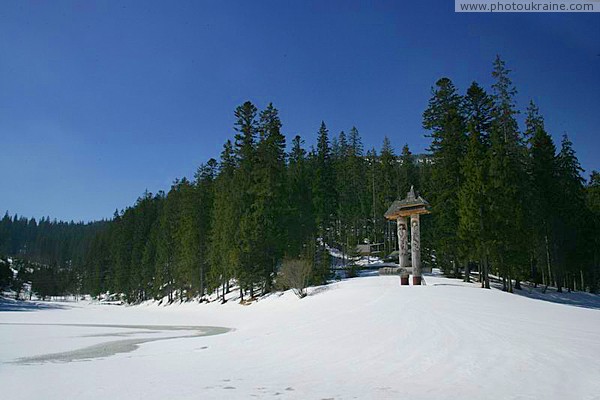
{"type": "Point", "coordinates": [102, 100]}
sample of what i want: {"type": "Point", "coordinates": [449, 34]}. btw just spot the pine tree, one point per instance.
{"type": "Point", "coordinates": [188, 241]}
{"type": "Point", "coordinates": [593, 205]}
{"type": "Point", "coordinates": [444, 119]}
{"type": "Point", "coordinates": [508, 181]}
{"type": "Point", "coordinates": [301, 222]}
{"type": "Point", "coordinates": [6, 274]}
{"type": "Point", "coordinates": [245, 153]}
{"type": "Point", "coordinates": [224, 250]}
{"type": "Point", "coordinates": [544, 190]}
{"type": "Point", "coordinates": [377, 226]}
{"type": "Point", "coordinates": [166, 248]}
{"type": "Point", "coordinates": [205, 187]}
{"type": "Point", "coordinates": [324, 202]}
{"type": "Point", "coordinates": [571, 245]}
{"type": "Point", "coordinates": [343, 193]}
{"type": "Point", "coordinates": [473, 197]}
{"type": "Point", "coordinates": [5, 234]}
{"type": "Point", "coordinates": [385, 183]}
{"type": "Point", "coordinates": [122, 242]}
{"type": "Point", "coordinates": [388, 171]}
{"type": "Point", "coordinates": [96, 264]}
{"type": "Point", "coordinates": [148, 285]}
{"type": "Point", "coordinates": [144, 217]}
{"type": "Point", "coordinates": [408, 175]}
{"type": "Point", "coordinates": [354, 202]}
{"type": "Point", "coordinates": [269, 191]}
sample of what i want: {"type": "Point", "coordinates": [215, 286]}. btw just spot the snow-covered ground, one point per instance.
{"type": "Point", "coordinates": [364, 338]}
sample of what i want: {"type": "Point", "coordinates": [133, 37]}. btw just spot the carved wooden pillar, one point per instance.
{"type": "Point", "coordinates": [402, 242]}
{"type": "Point", "coordinates": [415, 233]}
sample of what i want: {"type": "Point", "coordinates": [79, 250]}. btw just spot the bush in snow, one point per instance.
{"type": "Point", "coordinates": [352, 271]}
{"type": "Point", "coordinates": [295, 274]}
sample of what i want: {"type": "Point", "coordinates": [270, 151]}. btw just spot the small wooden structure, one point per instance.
{"type": "Point", "coordinates": [412, 206]}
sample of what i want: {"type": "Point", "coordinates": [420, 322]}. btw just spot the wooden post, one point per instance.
{"type": "Point", "coordinates": [404, 278]}
{"type": "Point", "coordinates": [402, 242]}
{"type": "Point", "coordinates": [416, 248]}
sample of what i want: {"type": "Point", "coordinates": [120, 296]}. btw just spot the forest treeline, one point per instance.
{"type": "Point", "coordinates": [505, 201]}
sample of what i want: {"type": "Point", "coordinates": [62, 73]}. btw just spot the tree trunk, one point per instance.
{"type": "Point", "coordinates": [549, 264]}
{"type": "Point", "coordinates": [201, 282]}
{"type": "Point", "coordinates": [486, 272]}
{"type": "Point", "coordinates": [543, 277]}
{"type": "Point", "coordinates": [483, 268]}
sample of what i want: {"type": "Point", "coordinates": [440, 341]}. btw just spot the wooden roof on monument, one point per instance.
{"type": "Point", "coordinates": [412, 204]}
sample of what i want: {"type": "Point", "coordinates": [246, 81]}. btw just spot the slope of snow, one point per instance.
{"type": "Point", "coordinates": [360, 338]}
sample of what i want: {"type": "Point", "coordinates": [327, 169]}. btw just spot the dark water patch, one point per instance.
{"type": "Point", "coordinates": [108, 349]}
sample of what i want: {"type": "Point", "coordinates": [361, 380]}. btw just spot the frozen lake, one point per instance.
{"type": "Point", "coordinates": [360, 338]}
{"type": "Point", "coordinates": [136, 334]}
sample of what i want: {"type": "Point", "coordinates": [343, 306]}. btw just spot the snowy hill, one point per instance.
{"type": "Point", "coordinates": [365, 338]}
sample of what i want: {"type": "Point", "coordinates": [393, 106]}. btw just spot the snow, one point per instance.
{"type": "Point", "coordinates": [360, 338]}
{"type": "Point", "coordinates": [342, 260]}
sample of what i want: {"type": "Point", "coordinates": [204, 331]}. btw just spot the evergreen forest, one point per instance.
{"type": "Point", "coordinates": [506, 201]}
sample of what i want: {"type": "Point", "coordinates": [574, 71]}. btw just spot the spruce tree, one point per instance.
{"type": "Point", "coordinates": [268, 210]}
{"type": "Point", "coordinates": [544, 191]}
{"type": "Point", "coordinates": [571, 247]}
{"type": "Point", "coordinates": [300, 222]}
{"type": "Point", "coordinates": [189, 238]}
{"type": "Point", "coordinates": [145, 213]}
{"type": "Point", "coordinates": [388, 172]}
{"type": "Point", "coordinates": [205, 187]}
{"type": "Point", "coordinates": [445, 121]}
{"type": "Point", "coordinates": [244, 175]}
{"type": "Point", "coordinates": [339, 159]}
{"type": "Point", "coordinates": [167, 267]}
{"type": "Point", "coordinates": [324, 202]}
{"type": "Point", "coordinates": [224, 250]}
{"type": "Point", "coordinates": [473, 196]}
{"type": "Point", "coordinates": [354, 202]}
{"type": "Point", "coordinates": [593, 205]}
{"type": "Point", "coordinates": [385, 184]}
{"type": "Point", "coordinates": [508, 181]}
{"type": "Point", "coordinates": [407, 175]}
{"type": "Point", "coordinates": [377, 226]}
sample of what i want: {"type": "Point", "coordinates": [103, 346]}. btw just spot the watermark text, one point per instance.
{"type": "Point", "coordinates": [526, 6]}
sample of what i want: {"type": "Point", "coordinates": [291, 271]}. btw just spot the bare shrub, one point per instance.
{"type": "Point", "coordinates": [295, 274]}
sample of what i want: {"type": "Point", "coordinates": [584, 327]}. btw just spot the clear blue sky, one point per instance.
{"type": "Point", "coordinates": [102, 100]}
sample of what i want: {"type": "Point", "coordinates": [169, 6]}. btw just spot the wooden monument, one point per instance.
{"type": "Point", "coordinates": [400, 210]}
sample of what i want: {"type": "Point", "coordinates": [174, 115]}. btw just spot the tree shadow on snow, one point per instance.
{"type": "Point", "coordinates": [320, 289]}
{"type": "Point", "coordinates": [576, 299]}
{"type": "Point", "coordinates": [7, 305]}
